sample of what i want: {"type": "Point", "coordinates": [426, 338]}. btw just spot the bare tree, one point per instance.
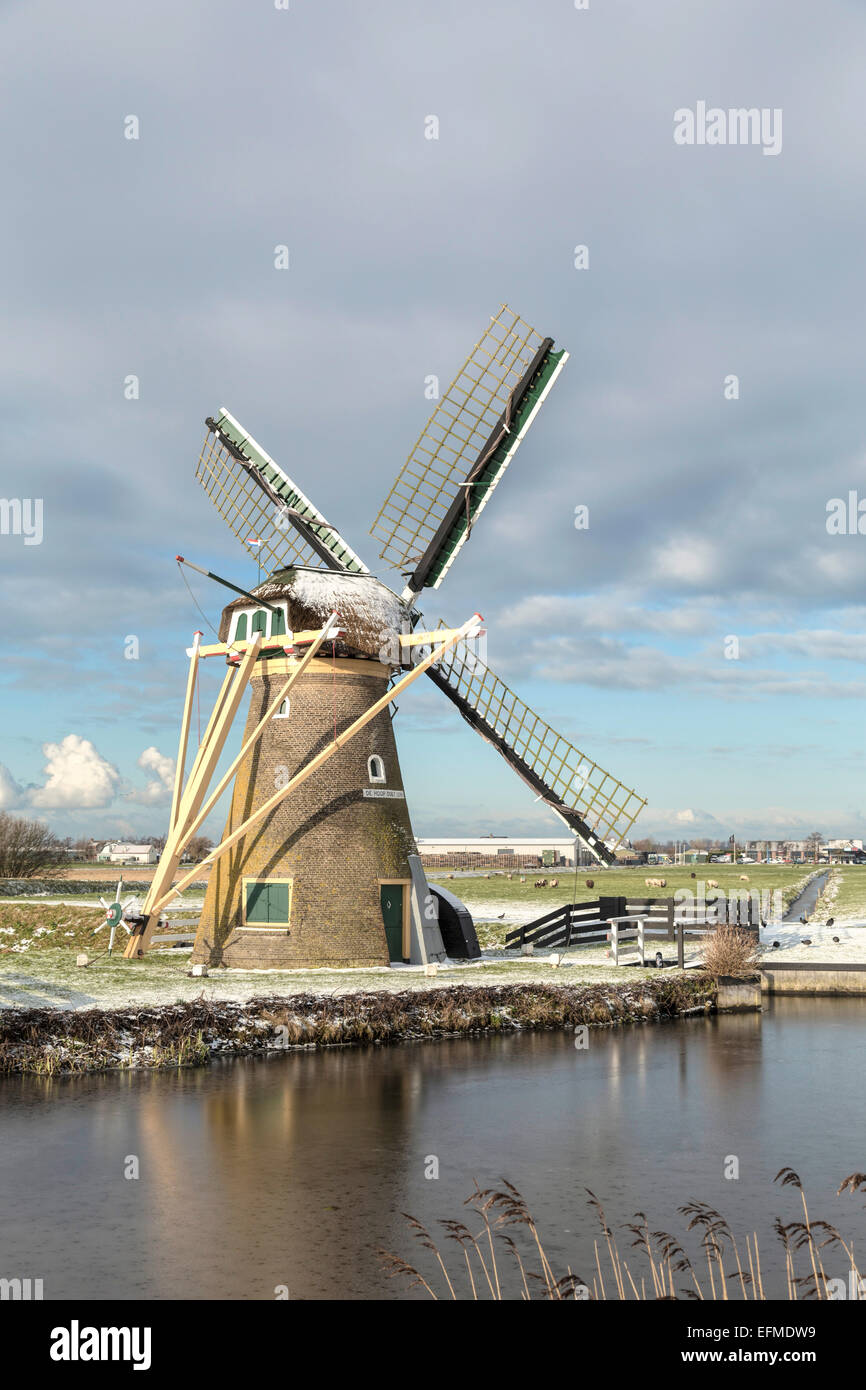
{"type": "Point", "coordinates": [815, 840]}
{"type": "Point", "coordinates": [198, 847]}
{"type": "Point", "coordinates": [28, 849]}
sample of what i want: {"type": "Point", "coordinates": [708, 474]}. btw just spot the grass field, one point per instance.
{"type": "Point", "coordinates": [498, 904]}
{"type": "Point", "coordinates": [615, 882]}
{"type": "Point", "coordinates": [844, 895]}
{"type": "Point", "coordinates": [39, 940]}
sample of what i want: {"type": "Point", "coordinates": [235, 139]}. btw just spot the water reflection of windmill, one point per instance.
{"type": "Point", "coordinates": [323, 875]}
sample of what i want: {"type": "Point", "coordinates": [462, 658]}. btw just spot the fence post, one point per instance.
{"type": "Point", "coordinates": [670, 919]}
{"type": "Point", "coordinates": [681, 944]}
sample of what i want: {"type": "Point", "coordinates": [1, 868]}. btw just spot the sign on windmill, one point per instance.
{"type": "Point", "coordinates": [314, 865]}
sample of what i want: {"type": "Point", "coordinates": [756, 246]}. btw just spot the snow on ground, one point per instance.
{"type": "Point", "coordinates": [513, 914]}
{"type": "Point", "coordinates": [52, 980]}
{"type": "Point", "coordinates": [851, 946]}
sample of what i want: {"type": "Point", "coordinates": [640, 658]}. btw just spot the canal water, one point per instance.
{"type": "Point", "coordinates": [292, 1170]}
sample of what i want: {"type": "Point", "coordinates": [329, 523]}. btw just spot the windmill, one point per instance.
{"type": "Point", "coordinates": [323, 870]}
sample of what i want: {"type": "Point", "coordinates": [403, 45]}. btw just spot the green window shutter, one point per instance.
{"type": "Point", "coordinates": [260, 622]}
{"type": "Point", "coordinates": [257, 902]}
{"type": "Point", "coordinates": [267, 902]}
{"type": "Point", "coordinates": [278, 624]}
{"type": "Point", "coordinates": [241, 629]}
{"type": "Point", "coordinates": [278, 902]}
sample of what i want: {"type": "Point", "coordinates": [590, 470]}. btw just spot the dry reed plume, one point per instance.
{"type": "Point", "coordinates": [501, 1255]}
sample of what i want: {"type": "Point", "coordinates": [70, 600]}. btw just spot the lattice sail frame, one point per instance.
{"type": "Point", "coordinates": [251, 513]}
{"type": "Point", "coordinates": [455, 436]}
{"type": "Point", "coordinates": [597, 805]}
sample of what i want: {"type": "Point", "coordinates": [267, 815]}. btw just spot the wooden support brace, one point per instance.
{"type": "Point", "coordinates": [220, 722]}
{"type": "Point", "coordinates": [269, 644]}
{"type": "Point", "coordinates": [323, 636]}
{"type": "Point", "coordinates": [469, 628]}
{"type": "Point", "coordinates": [180, 766]}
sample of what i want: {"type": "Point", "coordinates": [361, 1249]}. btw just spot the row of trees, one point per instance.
{"type": "Point", "coordinates": [29, 849]}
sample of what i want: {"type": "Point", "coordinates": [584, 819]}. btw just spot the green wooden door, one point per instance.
{"type": "Point", "coordinates": [391, 897]}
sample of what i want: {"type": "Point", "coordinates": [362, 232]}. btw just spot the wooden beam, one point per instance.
{"type": "Point", "coordinates": [278, 643]}
{"type": "Point", "coordinates": [420, 639]}
{"type": "Point", "coordinates": [284, 689]}
{"type": "Point", "coordinates": [180, 766]}
{"type": "Point", "coordinates": [468, 629]}
{"type": "Point", "coordinates": [212, 744]}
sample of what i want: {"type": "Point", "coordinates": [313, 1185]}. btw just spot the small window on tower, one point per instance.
{"type": "Point", "coordinates": [376, 768]}
{"type": "Point", "coordinates": [259, 623]}
{"type": "Point", "coordinates": [284, 710]}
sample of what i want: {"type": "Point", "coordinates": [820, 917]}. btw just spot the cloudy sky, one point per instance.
{"type": "Point", "coordinates": [259, 127]}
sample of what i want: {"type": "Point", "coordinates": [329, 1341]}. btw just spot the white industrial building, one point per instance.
{"type": "Point", "coordinates": [487, 850]}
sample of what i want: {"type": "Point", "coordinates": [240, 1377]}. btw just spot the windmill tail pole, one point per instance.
{"type": "Point", "coordinates": [468, 629]}
{"type": "Point", "coordinates": [209, 574]}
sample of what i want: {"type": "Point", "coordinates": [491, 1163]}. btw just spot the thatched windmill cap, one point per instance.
{"type": "Point", "coordinates": [370, 613]}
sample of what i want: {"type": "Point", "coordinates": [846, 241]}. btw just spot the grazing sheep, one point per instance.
{"type": "Point", "coordinates": [744, 878]}
{"type": "Point", "coordinates": [656, 882]}
{"type": "Point", "coordinates": [590, 883]}
{"type": "Point", "coordinates": [541, 883]}
{"type": "Point", "coordinates": [554, 883]}
{"type": "Point", "coordinates": [711, 883]}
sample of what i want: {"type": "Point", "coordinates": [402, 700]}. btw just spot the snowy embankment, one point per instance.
{"type": "Point", "coordinates": [50, 1041]}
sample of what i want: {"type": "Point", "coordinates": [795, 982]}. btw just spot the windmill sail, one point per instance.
{"type": "Point", "coordinates": [267, 512]}
{"type": "Point", "coordinates": [465, 448]}
{"type": "Point", "coordinates": [598, 807]}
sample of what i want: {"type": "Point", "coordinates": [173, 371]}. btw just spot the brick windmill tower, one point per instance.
{"type": "Point", "coordinates": [317, 865]}
{"type": "Point", "coordinates": [316, 882]}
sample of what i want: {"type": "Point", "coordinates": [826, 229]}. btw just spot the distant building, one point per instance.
{"type": "Point", "coordinates": [117, 852]}
{"type": "Point", "coordinates": [496, 852]}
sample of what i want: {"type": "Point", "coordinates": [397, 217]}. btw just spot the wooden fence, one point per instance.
{"type": "Point", "coordinates": [584, 922]}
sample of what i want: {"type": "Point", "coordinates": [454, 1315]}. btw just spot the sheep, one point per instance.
{"type": "Point", "coordinates": [711, 883]}
{"type": "Point", "coordinates": [541, 883]}
{"type": "Point", "coordinates": [523, 878]}
{"type": "Point", "coordinates": [744, 878]}
{"type": "Point", "coordinates": [656, 882]}
{"type": "Point", "coordinates": [590, 883]}
{"type": "Point", "coordinates": [554, 883]}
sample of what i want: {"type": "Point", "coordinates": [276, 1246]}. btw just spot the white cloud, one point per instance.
{"type": "Point", "coordinates": [159, 788]}
{"type": "Point", "coordinates": [686, 560]}
{"type": "Point", "coordinates": [78, 776]}
{"type": "Point", "coordinates": [10, 793]}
